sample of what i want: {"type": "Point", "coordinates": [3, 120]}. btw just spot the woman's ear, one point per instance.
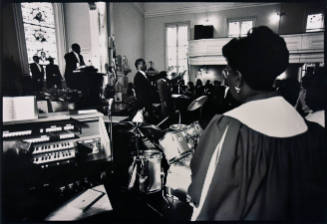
{"type": "Point", "coordinates": [238, 79]}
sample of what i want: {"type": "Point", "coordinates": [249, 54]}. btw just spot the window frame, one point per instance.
{"type": "Point", "coordinates": [240, 20]}
{"type": "Point", "coordinates": [166, 25]}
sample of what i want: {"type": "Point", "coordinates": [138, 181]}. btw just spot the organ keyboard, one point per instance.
{"type": "Point", "coordinates": [66, 153]}
{"type": "Point", "coordinates": [55, 137]}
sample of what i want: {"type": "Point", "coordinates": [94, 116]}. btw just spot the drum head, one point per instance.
{"type": "Point", "coordinates": [177, 127]}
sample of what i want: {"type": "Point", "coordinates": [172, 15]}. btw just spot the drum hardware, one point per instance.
{"type": "Point", "coordinates": [179, 154]}
{"type": "Point", "coordinates": [163, 121]}
{"type": "Point", "coordinates": [145, 172]}
{"type": "Point", "coordinates": [145, 169]}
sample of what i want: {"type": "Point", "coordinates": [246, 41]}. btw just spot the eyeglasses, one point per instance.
{"type": "Point", "coordinates": [226, 71]}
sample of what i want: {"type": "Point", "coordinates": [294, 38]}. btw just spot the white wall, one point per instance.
{"type": "Point", "coordinates": [128, 28]}
{"type": "Point", "coordinates": [155, 26]}
{"type": "Point", "coordinates": [82, 27]}
{"type": "Point", "coordinates": [77, 29]}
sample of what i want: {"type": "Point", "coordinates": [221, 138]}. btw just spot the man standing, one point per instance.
{"type": "Point", "coordinates": [164, 94]}
{"type": "Point", "coordinates": [143, 89]}
{"type": "Point", "coordinates": [73, 60]}
{"type": "Point", "coordinates": [53, 74]}
{"type": "Point", "coordinates": [37, 74]}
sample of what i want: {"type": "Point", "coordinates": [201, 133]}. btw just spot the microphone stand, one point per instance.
{"type": "Point", "coordinates": [110, 125]}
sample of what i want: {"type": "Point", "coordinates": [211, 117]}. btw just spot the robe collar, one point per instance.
{"type": "Point", "coordinates": [272, 116]}
{"type": "Point", "coordinates": [317, 117]}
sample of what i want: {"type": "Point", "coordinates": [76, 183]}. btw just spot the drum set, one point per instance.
{"type": "Point", "coordinates": [161, 159]}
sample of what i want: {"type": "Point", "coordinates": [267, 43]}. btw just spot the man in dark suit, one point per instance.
{"type": "Point", "coordinates": [53, 74]}
{"type": "Point", "coordinates": [143, 89]}
{"type": "Point", "coordinates": [73, 60]}
{"type": "Point", "coordinates": [164, 94]}
{"type": "Point", "coordinates": [37, 71]}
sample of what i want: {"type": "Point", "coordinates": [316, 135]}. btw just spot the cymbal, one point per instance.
{"type": "Point", "coordinates": [179, 96]}
{"type": "Point", "coordinates": [152, 131]}
{"type": "Point", "coordinates": [197, 103]}
{"type": "Point", "coordinates": [149, 130]}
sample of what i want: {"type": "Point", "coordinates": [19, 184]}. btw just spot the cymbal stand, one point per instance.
{"type": "Point", "coordinates": [179, 117]}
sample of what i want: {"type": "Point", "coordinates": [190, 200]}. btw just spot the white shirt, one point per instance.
{"type": "Point", "coordinates": [143, 73]}
{"type": "Point", "coordinates": [77, 56]}
{"type": "Point", "coordinates": [39, 67]}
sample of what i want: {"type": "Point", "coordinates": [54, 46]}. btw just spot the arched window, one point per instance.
{"type": "Point", "coordinates": [40, 31]}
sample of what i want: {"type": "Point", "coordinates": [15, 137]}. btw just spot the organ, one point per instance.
{"type": "Point", "coordinates": [66, 154]}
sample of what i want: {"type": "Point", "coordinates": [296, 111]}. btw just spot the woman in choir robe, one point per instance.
{"type": "Point", "coordinates": [260, 160]}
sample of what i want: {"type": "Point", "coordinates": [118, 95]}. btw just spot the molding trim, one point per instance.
{"type": "Point", "coordinates": [138, 8]}
{"type": "Point", "coordinates": [208, 7]}
{"type": "Point", "coordinates": [19, 27]}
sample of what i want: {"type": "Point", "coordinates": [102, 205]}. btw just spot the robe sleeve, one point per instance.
{"type": "Point", "coordinates": [223, 191]}
{"type": "Point", "coordinates": [201, 158]}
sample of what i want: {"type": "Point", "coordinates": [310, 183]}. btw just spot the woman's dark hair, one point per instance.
{"type": "Point", "coordinates": [260, 56]}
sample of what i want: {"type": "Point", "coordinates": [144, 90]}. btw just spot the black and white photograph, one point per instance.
{"type": "Point", "coordinates": [163, 111]}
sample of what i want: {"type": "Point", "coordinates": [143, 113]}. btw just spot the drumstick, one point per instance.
{"type": "Point", "coordinates": [161, 122]}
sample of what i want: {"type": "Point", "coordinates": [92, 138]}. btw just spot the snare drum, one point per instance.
{"type": "Point", "coordinates": [149, 171]}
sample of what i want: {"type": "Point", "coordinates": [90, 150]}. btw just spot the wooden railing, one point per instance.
{"type": "Point", "coordinates": [303, 48]}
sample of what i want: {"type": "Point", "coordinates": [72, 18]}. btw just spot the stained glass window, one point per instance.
{"type": "Point", "coordinates": [39, 28]}
{"type": "Point", "coordinates": [240, 27]}
{"type": "Point", "coordinates": [315, 22]}
{"type": "Point", "coordinates": [176, 47]}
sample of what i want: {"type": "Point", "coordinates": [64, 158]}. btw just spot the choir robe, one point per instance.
{"type": "Point", "coordinates": [260, 161]}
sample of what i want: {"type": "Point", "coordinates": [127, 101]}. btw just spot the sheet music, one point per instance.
{"type": "Point", "coordinates": [24, 108]}
{"type": "Point", "coordinates": [19, 108]}
{"type": "Point", "coordinates": [7, 108]}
